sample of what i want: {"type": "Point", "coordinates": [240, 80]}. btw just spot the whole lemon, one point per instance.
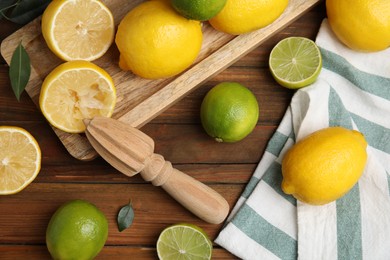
{"type": "Point", "coordinates": [362, 25]}
{"type": "Point", "coordinates": [77, 230]}
{"type": "Point", "coordinates": [242, 16]}
{"type": "Point", "coordinates": [325, 165]}
{"type": "Point", "coordinates": [229, 112]}
{"type": "Point", "coordinates": [155, 41]}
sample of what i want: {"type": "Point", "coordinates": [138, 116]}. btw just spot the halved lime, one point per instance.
{"type": "Point", "coordinates": [184, 241]}
{"type": "Point", "coordinates": [295, 62]}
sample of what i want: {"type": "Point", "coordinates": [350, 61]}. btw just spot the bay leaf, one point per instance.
{"type": "Point", "coordinates": [27, 10]}
{"type": "Point", "coordinates": [125, 217]}
{"type": "Point", "coordinates": [19, 70]}
{"type": "Point", "coordinates": [5, 5]}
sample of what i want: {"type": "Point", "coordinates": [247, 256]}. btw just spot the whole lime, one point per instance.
{"type": "Point", "coordinates": [229, 112]}
{"type": "Point", "coordinates": [77, 230]}
{"type": "Point", "coordinates": [201, 10]}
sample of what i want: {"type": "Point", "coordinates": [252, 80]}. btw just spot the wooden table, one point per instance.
{"type": "Point", "coordinates": [178, 136]}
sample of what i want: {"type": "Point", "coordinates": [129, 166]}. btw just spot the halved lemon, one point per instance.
{"type": "Point", "coordinates": [78, 29]}
{"type": "Point", "coordinates": [20, 159]}
{"type": "Point", "coordinates": [74, 91]}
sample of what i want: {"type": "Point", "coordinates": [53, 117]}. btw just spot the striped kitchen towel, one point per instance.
{"type": "Point", "coordinates": [353, 91]}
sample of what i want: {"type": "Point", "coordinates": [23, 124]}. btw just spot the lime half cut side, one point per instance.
{"type": "Point", "coordinates": [295, 62]}
{"type": "Point", "coordinates": [184, 241]}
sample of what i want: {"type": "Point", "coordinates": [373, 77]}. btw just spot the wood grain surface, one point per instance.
{"type": "Point", "coordinates": [178, 136]}
{"type": "Point", "coordinates": [140, 100]}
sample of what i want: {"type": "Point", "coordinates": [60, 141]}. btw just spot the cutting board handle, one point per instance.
{"type": "Point", "coordinates": [198, 198]}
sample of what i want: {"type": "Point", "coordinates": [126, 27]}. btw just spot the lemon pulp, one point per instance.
{"type": "Point", "coordinates": [78, 29]}
{"type": "Point", "coordinates": [20, 159]}
{"type": "Point", "coordinates": [74, 91]}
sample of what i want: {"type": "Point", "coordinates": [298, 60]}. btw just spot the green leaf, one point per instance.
{"type": "Point", "coordinates": [19, 70]}
{"type": "Point", "coordinates": [125, 217]}
{"type": "Point", "coordinates": [28, 10]}
{"type": "Point", "coordinates": [5, 5]}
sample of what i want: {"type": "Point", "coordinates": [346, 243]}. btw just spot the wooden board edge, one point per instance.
{"type": "Point", "coordinates": [210, 66]}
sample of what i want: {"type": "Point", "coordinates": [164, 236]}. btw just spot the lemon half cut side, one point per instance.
{"type": "Point", "coordinates": [78, 29]}
{"type": "Point", "coordinates": [20, 159]}
{"type": "Point", "coordinates": [74, 91]}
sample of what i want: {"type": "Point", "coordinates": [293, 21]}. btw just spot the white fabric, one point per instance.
{"type": "Point", "coordinates": [353, 91]}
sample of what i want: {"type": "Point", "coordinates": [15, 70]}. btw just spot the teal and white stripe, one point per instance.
{"type": "Point", "coordinates": [353, 91]}
{"type": "Point", "coordinates": [250, 229]}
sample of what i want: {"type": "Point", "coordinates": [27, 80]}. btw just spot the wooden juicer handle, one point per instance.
{"type": "Point", "coordinates": [131, 151]}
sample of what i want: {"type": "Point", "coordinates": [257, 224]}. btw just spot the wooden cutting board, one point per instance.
{"type": "Point", "coordinates": [140, 100]}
